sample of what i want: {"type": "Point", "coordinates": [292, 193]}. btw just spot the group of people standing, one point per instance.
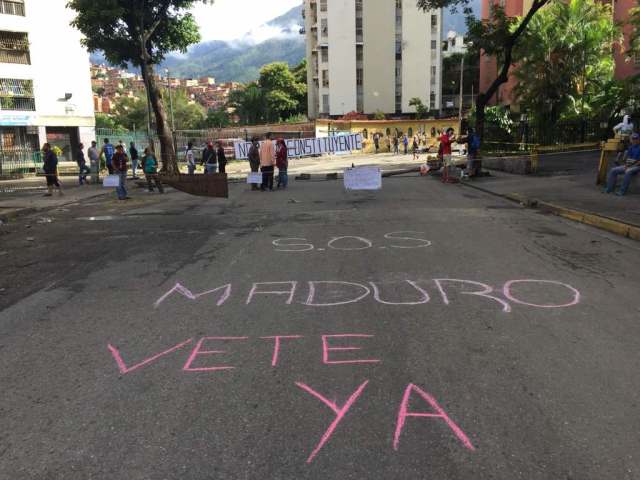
{"type": "Point", "coordinates": [265, 157]}
{"type": "Point", "coordinates": [213, 158]}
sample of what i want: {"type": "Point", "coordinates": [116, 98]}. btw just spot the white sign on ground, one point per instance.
{"type": "Point", "coordinates": [254, 177]}
{"type": "Point", "coordinates": [363, 178]}
{"type": "Point", "coordinates": [307, 147]}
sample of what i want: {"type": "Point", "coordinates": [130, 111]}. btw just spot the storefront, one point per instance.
{"type": "Point", "coordinates": [66, 139]}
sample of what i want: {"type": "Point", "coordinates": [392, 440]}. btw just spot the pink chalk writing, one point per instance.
{"type": "Point", "coordinates": [334, 293]}
{"type": "Point", "coordinates": [123, 367]}
{"type": "Point", "coordinates": [312, 294]}
{"type": "Point", "coordinates": [509, 295]}
{"type": "Point", "coordinates": [191, 296]}
{"type": "Point", "coordinates": [486, 290]}
{"type": "Point", "coordinates": [276, 346]}
{"type": "Point", "coordinates": [439, 413]}
{"type": "Point", "coordinates": [198, 351]}
{"type": "Point", "coordinates": [425, 295]}
{"type": "Point", "coordinates": [291, 292]}
{"type": "Point", "coordinates": [340, 412]}
{"type": "Point", "coordinates": [326, 349]}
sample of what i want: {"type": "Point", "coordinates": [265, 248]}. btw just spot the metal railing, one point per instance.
{"type": "Point", "coordinates": [12, 7]}
{"type": "Point", "coordinates": [23, 104]}
{"type": "Point", "coordinates": [19, 161]}
{"type": "Point", "coordinates": [14, 48]}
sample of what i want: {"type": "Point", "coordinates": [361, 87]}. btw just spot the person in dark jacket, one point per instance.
{"type": "Point", "coordinates": [120, 168]}
{"type": "Point", "coordinates": [82, 165]}
{"type": "Point", "coordinates": [222, 159]}
{"type": "Point", "coordinates": [134, 155]}
{"type": "Point", "coordinates": [282, 162]}
{"type": "Point", "coordinates": [50, 167]}
{"type": "Point", "coordinates": [254, 159]}
{"type": "Point", "coordinates": [210, 159]}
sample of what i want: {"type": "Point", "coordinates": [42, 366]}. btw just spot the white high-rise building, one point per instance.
{"type": "Point", "coordinates": [45, 81]}
{"type": "Point", "coordinates": [372, 55]}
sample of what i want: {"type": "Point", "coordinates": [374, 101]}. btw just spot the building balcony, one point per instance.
{"type": "Point", "coordinates": [18, 104]}
{"type": "Point", "coordinates": [12, 7]}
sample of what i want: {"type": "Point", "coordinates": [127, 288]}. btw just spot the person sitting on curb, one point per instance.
{"type": "Point", "coordinates": [629, 169]}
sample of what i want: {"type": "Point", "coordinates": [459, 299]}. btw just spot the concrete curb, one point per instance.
{"type": "Point", "coordinates": [611, 225]}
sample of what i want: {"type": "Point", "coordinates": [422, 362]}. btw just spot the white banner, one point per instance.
{"type": "Point", "coordinates": [363, 178]}
{"type": "Point", "coordinates": [254, 177]}
{"type": "Point", "coordinates": [307, 147]}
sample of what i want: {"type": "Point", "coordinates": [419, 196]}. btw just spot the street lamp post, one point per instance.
{"type": "Point", "coordinates": [173, 120]}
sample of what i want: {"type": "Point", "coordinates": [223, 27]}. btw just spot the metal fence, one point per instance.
{"type": "Point", "coordinates": [19, 161]}
{"type": "Point", "coordinates": [562, 133]}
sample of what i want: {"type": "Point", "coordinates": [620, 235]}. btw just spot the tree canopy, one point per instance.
{"type": "Point", "coordinates": [565, 59]}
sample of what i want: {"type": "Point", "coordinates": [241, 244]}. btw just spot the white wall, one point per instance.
{"type": "Point", "coordinates": [415, 54]}
{"type": "Point", "coordinates": [379, 22]}
{"type": "Point", "coordinates": [59, 65]}
{"type": "Point", "coordinates": [342, 56]}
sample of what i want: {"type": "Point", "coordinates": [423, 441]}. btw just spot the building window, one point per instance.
{"type": "Point", "coordinates": [432, 101]}
{"type": "Point", "coordinates": [434, 21]}
{"type": "Point", "coordinates": [359, 34]}
{"type": "Point", "coordinates": [410, 132]}
{"type": "Point", "coordinates": [324, 27]}
{"type": "Point", "coordinates": [323, 5]}
{"type": "Point", "coordinates": [359, 53]}
{"type": "Point", "coordinates": [325, 103]}
{"type": "Point", "coordinates": [325, 54]}
{"type": "Point", "coordinates": [359, 76]}
{"type": "Point", "coordinates": [325, 78]}
{"type": "Point", "coordinates": [434, 70]}
{"type": "Point", "coordinates": [17, 95]}
{"type": "Point", "coordinates": [434, 44]}
{"type": "Point", "coordinates": [14, 48]}
{"type": "Point", "coordinates": [12, 7]}
{"type": "Point", "coordinates": [365, 134]}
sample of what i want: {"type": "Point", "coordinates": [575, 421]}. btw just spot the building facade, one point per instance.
{"type": "Point", "coordinates": [371, 56]}
{"type": "Point", "coordinates": [45, 82]}
{"type": "Point", "coordinates": [624, 65]}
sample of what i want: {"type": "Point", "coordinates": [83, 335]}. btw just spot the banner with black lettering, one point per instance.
{"type": "Point", "coordinates": [308, 147]}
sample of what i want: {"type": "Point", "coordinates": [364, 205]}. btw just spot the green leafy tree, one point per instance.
{"type": "Point", "coordinates": [498, 36]}
{"type": "Point", "coordinates": [108, 122]}
{"type": "Point", "coordinates": [421, 108]}
{"type": "Point", "coordinates": [140, 33]}
{"type": "Point", "coordinates": [279, 93]}
{"type": "Point", "coordinates": [217, 118]}
{"type": "Point", "coordinates": [566, 59]}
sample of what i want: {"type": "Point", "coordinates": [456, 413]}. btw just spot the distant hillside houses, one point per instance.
{"type": "Point", "coordinates": [109, 84]}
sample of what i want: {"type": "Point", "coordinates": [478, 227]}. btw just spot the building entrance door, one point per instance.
{"type": "Point", "coordinates": [66, 139]}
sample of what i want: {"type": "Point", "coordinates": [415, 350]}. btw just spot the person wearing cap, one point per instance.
{"type": "Point", "coordinates": [120, 168]}
{"type": "Point", "coordinates": [630, 168]}
{"type": "Point", "coordinates": [209, 159]}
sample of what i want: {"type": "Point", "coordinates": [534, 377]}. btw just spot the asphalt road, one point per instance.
{"type": "Point", "coordinates": [402, 366]}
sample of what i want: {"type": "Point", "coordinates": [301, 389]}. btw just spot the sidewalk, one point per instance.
{"type": "Point", "coordinates": [25, 202]}
{"type": "Point", "coordinates": [573, 196]}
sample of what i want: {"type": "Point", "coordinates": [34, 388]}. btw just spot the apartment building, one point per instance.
{"type": "Point", "coordinates": [370, 56]}
{"type": "Point", "coordinates": [45, 83]}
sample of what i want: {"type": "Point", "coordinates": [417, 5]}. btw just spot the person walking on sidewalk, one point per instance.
{"type": "Point", "coordinates": [254, 159]}
{"type": "Point", "coordinates": [150, 169]}
{"type": "Point", "coordinates": [222, 159]}
{"type": "Point", "coordinates": [50, 167]}
{"type": "Point", "coordinates": [630, 169]}
{"type": "Point", "coordinates": [209, 159]}
{"type": "Point", "coordinates": [82, 165]}
{"type": "Point", "coordinates": [396, 145]}
{"type": "Point", "coordinates": [282, 162]}
{"type": "Point", "coordinates": [405, 143]}
{"type": "Point", "coordinates": [108, 151]}
{"type": "Point", "coordinates": [191, 159]}
{"type": "Point", "coordinates": [267, 162]}
{"type": "Point", "coordinates": [134, 155]}
{"type": "Point", "coordinates": [94, 161]}
{"type": "Point", "coordinates": [120, 168]}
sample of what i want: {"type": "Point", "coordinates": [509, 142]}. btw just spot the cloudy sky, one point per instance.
{"type": "Point", "coordinates": [231, 19]}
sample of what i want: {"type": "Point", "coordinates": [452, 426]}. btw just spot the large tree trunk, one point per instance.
{"type": "Point", "coordinates": [167, 146]}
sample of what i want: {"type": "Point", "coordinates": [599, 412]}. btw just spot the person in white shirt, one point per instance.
{"type": "Point", "coordinates": [191, 159]}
